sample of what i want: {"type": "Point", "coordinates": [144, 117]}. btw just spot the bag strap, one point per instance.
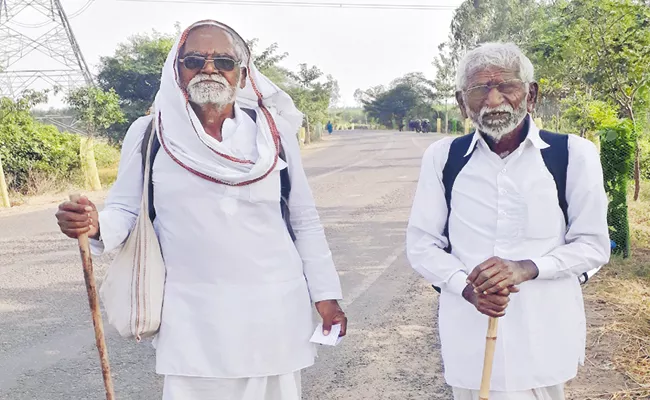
{"type": "Point", "coordinates": [456, 161]}
{"type": "Point", "coordinates": [556, 159]}
{"type": "Point", "coordinates": [149, 149]}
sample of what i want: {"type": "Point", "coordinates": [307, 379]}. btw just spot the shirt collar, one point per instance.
{"type": "Point", "coordinates": [532, 137]}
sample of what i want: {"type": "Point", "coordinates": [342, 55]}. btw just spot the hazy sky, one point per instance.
{"type": "Point", "coordinates": [359, 47]}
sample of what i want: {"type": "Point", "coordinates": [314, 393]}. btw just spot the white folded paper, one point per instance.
{"type": "Point", "coordinates": [330, 340]}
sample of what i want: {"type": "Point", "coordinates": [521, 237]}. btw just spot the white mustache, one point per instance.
{"type": "Point", "coordinates": [502, 108]}
{"type": "Point", "coordinates": [208, 78]}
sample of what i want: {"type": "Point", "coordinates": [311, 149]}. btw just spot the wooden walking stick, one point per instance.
{"type": "Point", "coordinates": [490, 344]}
{"type": "Point", "coordinates": [93, 300]}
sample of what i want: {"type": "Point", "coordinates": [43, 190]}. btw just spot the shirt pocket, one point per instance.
{"type": "Point", "coordinates": [543, 216]}
{"type": "Point", "coordinates": [268, 190]}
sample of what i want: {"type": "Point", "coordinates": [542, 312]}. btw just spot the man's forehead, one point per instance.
{"type": "Point", "coordinates": [209, 38]}
{"type": "Point", "coordinates": [492, 73]}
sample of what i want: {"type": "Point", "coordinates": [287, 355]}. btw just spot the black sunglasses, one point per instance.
{"type": "Point", "coordinates": [226, 64]}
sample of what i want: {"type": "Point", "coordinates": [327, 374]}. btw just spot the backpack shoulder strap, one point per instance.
{"type": "Point", "coordinates": [285, 191]}
{"type": "Point", "coordinates": [456, 161]}
{"type": "Point", "coordinates": [251, 113]}
{"type": "Point", "coordinates": [155, 146]}
{"type": "Point", "coordinates": [556, 159]}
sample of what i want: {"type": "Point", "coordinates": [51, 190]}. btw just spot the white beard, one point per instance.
{"type": "Point", "coordinates": [212, 89]}
{"type": "Point", "coordinates": [498, 129]}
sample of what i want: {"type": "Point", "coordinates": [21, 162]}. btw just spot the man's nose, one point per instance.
{"type": "Point", "coordinates": [208, 68]}
{"type": "Point", "coordinates": [494, 98]}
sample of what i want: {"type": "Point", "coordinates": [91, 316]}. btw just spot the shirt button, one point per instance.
{"type": "Point", "coordinates": [503, 191]}
{"type": "Point", "coordinates": [501, 212]}
{"type": "Point", "coordinates": [503, 171]}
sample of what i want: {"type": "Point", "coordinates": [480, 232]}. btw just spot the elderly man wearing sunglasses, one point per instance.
{"type": "Point", "coordinates": [244, 250]}
{"type": "Point", "coordinates": [504, 222]}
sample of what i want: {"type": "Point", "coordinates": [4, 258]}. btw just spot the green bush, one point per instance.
{"type": "Point", "coordinates": [30, 149]}
{"type": "Point", "coordinates": [106, 155]}
{"type": "Point", "coordinates": [617, 156]}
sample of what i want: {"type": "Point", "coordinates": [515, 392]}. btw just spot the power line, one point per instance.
{"type": "Point", "coordinates": [318, 4]}
{"type": "Point", "coordinates": [51, 19]}
{"type": "Point", "coordinates": [82, 9]}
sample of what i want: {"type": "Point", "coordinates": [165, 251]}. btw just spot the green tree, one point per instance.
{"type": "Point", "coordinates": [391, 107]}
{"type": "Point", "coordinates": [444, 85]}
{"type": "Point", "coordinates": [268, 62]}
{"type": "Point", "coordinates": [133, 72]}
{"type": "Point", "coordinates": [98, 110]}
{"type": "Point", "coordinates": [593, 49]}
{"type": "Point", "coordinates": [587, 115]}
{"type": "Point", "coordinates": [311, 95]}
{"type": "Point", "coordinates": [608, 52]}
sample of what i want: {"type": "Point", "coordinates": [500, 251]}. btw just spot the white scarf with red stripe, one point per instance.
{"type": "Point", "coordinates": [182, 136]}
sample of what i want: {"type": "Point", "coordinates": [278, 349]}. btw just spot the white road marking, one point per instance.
{"type": "Point", "coordinates": [371, 277]}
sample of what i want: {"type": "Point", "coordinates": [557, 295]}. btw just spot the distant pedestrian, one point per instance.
{"type": "Point", "coordinates": [330, 127]}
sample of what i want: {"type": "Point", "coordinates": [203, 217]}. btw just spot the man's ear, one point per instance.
{"type": "Point", "coordinates": [461, 104]}
{"type": "Point", "coordinates": [244, 75]}
{"type": "Point", "coordinates": [533, 93]}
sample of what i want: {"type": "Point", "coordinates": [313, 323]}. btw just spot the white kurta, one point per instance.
{"type": "Point", "coordinates": [509, 208]}
{"type": "Point", "coordinates": [238, 291]}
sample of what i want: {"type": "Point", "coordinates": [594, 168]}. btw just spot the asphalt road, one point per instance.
{"type": "Point", "coordinates": [363, 183]}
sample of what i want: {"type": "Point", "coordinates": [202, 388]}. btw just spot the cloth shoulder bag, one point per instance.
{"type": "Point", "coordinates": [132, 291]}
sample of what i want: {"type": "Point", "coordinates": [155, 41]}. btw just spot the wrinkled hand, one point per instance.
{"type": "Point", "coordinates": [332, 314]}
{"type": "Point", "coordinates": [492, 305]}
{"type": "Point", "coordinates": [497, 274]}
{"type": "Point", "coordinates": [76, 218]}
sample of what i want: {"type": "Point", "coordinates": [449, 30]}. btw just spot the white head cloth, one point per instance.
{"type": "Point", "coordinates": [184, 139]}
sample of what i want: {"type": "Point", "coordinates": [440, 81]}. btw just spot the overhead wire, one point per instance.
{"type": "Point", "coordinates": [80, 11]}
{"type": "Point", "coordinates": [315, 4]}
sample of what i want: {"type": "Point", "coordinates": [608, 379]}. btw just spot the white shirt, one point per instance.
{"type": "Point", "coordinates": [509, 208]}
{"type": "Point", "coordinates": [238, 291]}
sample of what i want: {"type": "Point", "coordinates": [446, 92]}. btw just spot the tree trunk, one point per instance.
{"type": "Point", "coordinates": [308, 132]}
{"type": "Point", "coordinates": [446, 117]}
{"type": "Point", "coordinates": [637, 169]}
{"type": "Point", "coordinates": [637, 155]}
{"type": "Point", "coordinates": [88, 164]}
{"type": "Point", "coordinates": [4, 192]}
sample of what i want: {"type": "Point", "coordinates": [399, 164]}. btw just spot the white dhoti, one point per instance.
{"type": "Point", "coordinates": [280, 387]}
{"type": "Point", "coordinates": [548, 393]}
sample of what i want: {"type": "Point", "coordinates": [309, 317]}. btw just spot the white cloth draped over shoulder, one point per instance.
{"type": "Point", "coordinates": [238, 291]}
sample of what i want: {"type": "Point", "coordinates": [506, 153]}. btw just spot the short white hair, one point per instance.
{"type": "Point", "coordinates": [501, 55]}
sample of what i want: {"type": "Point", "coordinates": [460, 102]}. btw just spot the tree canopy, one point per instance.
{"type": "Point", "coordinates": [588, 54]}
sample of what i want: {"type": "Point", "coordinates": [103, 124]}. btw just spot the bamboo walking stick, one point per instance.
{"type": "Point", "coordinates": [93, 300]}
{"type": "Point", "coordinates": [490, 344]}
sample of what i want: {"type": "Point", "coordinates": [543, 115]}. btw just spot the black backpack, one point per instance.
{"type": "Point", "coordinates": [285, 182]}
{"type": "Point", "coordinates": [556, 159]}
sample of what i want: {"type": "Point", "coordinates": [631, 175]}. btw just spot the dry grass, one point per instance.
{"type": "Point", "coordinates": [107, 176]}
{"type": "Point", "coordinates": [624, 286]}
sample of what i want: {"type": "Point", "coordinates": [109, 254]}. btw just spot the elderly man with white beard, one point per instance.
{"type": "Point", "coordinates": [503, 223]}
{"type": "Point", "coordinates": [245, 256]}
